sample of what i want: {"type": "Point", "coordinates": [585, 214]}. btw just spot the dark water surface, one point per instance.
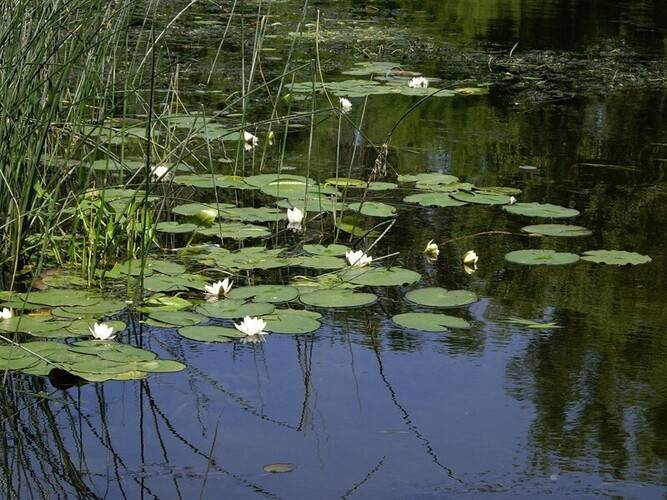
{"type": "Point", "coordinates": [366, 409]}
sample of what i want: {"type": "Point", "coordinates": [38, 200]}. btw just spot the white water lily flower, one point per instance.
{"type": "Point", "coordinates": [512, 200]}
{"type": "Point", "coordinates": [294, 215]}
{"type": "Point", "coordinates": [160, 172]}
{"type": "Point", "coordinates": [470, 258]}
{"type": "Point", "coordinates": [101, 331]}
{"type": "Point", "coordinates": [6, 313]}
{"type": "Point", "coordinates": [345, 105]}
{"type": "Point", "coordinates": [250, 141]}
{"type": "Point", "coordinates": [219, 288]}
{"type": "Point", "coordinates": [432, 249]}
{"type": "Point", "coordinates": [358, 258]}
{"type": "Point", "coordinates": [251, 326]}
{"type": "Point", "coordinates": [418, 82]}
{"type": "Point", "coordinates": [469, 269]}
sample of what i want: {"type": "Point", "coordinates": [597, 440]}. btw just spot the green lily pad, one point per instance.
{"type": "Point", "coordinates": [338, 297]}
{"type": "Point", "coordinates": [541, 257]}
{"type": "Point", "coordinates": [313, 203]}
{"type": "Point", "coordinates": [546, 210]}
{"type": "Point", "coordinates": [292, 321]}
{"type": "Point", "coordinates": [380, 276]}
{"type": "Point", "coordinates": [373, 209]}
{"type": "Point", "coordinates": [265, 293]}
{"type": "Point", "coordinates": [32, 325]}
{"type": "Point", "coordinates": [430, 322]}
{"type": "Point", "coordinates": [194, 209]}
{"type": "Point", "coordinates": [333, 250]}
{"type": "Point", "coordinates": [231, 308]}
{"type": "Point", "coordinates": [481, 197]}
{"type": "Point", "coordinates": [381, 186]}
{"type": "Point", "coordinates": [318, 262]}
{"type": "Point", "coordinates": [250, 214]}
{"type": "Point", "coordinates": [433, 199]}
{"type": "Point", "coordinates": [439, 297]}
{"type": "Point", "coordinates": [173, 227]}
{"type": "Point", "coordinates": [165, 267]}
{"type": "Point", "coordinates": [299, 190]}
{"type": "Point", "coordinates": [176, 318]}
{"type": "Point", "coordinates": [104, 308]}
{"type": "Point", "coordinates": [208, 181]}
{"type": "Point", "coordinates": [62, 297]}
{"type": "Point", "coordinates": [159, 366]}
{"type": "Point", "coordinates": [235, 231]}
{"type": "Point", "coordinates": [615, 257]}
{"type": "Point", "coordinates": [561, 230]}
{"type": "Point", "coordinates": [262, 180]}
{"type": "Point", "coordinates": [345, 182]}
{"type": "Point", "coordinates": [533, 325]}
{"type": "Point", "coordinates": [432, 178]}
{"type": "Point", "coordinates": [249, 258]}
{"type": "Point", "coordinates": [210, 333]}
{"type": "Point", "coordinates": [160, 302]}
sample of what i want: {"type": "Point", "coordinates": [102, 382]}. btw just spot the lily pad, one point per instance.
{"type": "Point", "coordinates": [210, 333]}
{"type": "Point", "coordinates": [430, 322]}
{"type": "Point", "coordinates": [176, 318]}
{"type": "Point", "coordinates": [208, 181]}
{"type": "Point", "coordinates": [433, 199]}
{"type": "Point", "coordinates": [173, 227]}
{"type": "Point", "coordinates": [338, 297]}
{"type": "Point", "coordinates": [615, 257]}
{"type": "Point", "coordinates": [251, 214]}
{"type": "Point", "coordinates": [194, 209]}
{"type": "Point", "coordinates": [346, 182]}
{"type": "Point", "coordinates": [62, 297]}
{"type": "Point", "coordinates": [232, 308]}
{"type": "Point", "coordinates": [380, 276]}
{"type": "Point", "coordinates": [432, 178]}
{"type": "Point", "coordinates": [541, 257]}
{"type": "Point", "coordinates": [381, 186]}
{"type": "Point", "coordinates": [373, 209]}
{"type": "Point", "coordinates": [533, 325]}
{"type": "Point", "coordinates": [293, 321]}
{"type": "Point", "coordinates": [313, 203]}
{"type": "Point", "coordinates": [235, 231]}
{"type": "Point", "coordinates": [332, 250]}
{"type": "Point", "coordinates": [546, 210]}
{"type": "Point", "coordinates": [439, 297]}
{"type": "Point", "coordinates": [561, 230]}
{"type": "Point", "coordinates": [319, 262]}
{"type": "Point", "coordinates": [82, 326]}
{"type": "Point", "coordinates": [481, 197]}
{"type": "Point", "coordinates": [32, 325]}
{"type": "Point", "coordinates": [265, 293]}
{"type": "Point", "coordinates": [249, 258]}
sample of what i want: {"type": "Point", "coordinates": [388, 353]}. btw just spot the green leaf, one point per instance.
{"type": "Point", "coordinates": [210, 333]}
{"type": "Point", "coordinates": [541, 210]}
{"type": "Point", "coordinates": [373, 209]}
{"type": "Point", "coordinates": [292, 321]}
{"type": "Point", "coordinates": [338, 297]}
{"type": "Point", "coordinates": [429, 322]}
{"type": "Point", "coordinates": [534, 325]}
{"type": "Point", "coordinates": [380, 276]}
{"type": "Point", "coordinates": [333, 250]}
{"type": "Point", "coordinates": [541, 257]}
{"type": "Point", "coordinates": [176, 318]}
{"type": "Point", "coordinates": [265, 293]}
{"type": "Point", "coordinates": [561, 230]}
{"type": "Point", "coordinates": [231, 308]}
{"type": "Point", "coordinates": [318, 262]}
{"type": "Point", "coordinates": [433, 200]}
{"type": "Point", "coordinates": [615, 257]}
{"type": "Point", "coordinates": [481, 197]}
{"type": "Point", "coordinates": [439, 297]}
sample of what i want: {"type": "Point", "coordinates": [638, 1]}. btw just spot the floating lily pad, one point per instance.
{"type": "Point", "coordinates": [104, 308]}
{"type": "Point", "coordinates": [373, 209]}
{"type": "Point", "coordinates": [299, 190]}
{"type": "Point", "coordinates": [546, 210]}
{"type": "Point", "coordinates": [439, 297]}
{"type": "Point", "coordinates": [208, 181]}
{"type": "Point", "coordinates": [176, 318]}
{"type": "Point", "coordinates": [561, 230]}
{"type": "Point", "coordinates": [338, 297]}
{"type": "Point", "coordinates": [62, 297]}
{"type": "Point", "coordinates": [509, 191]}
{"type": "Point", "coordinates": [615, 257]}
{"type": "Point", "coordinates": [430, 322]}
{"type": "Point", "coordinates": [159, 366]}
{"type": "Point", "coordinates": [346, 182]}
{"type": "Point", "coordinates": [381, 186]}
{"type": "Point", "coordinates": [251, 214]}
{"type": "Point", "coordinates": [431, 178]}
{"type": "Point", "coordinates": [433, 199]}
{"type": "Point", "coordinates": [319, 262]}
{"type": "Point", "coordinates": [292, 321]}
{"type": "Point", "coordinates": [210, 333]}
{"type": "Point", "coordinates": [160, 302]}
{"type": "Point", "coordinates": [380, 276]}
{"type": "Point", "coordinates": [231, 308]}
{"type": "Point", "coordinates": [481, 197]}
{"type": "Point", "coordinates": [33, 325]}
{"type": "Point", "coordinates": [541, 257]}
{"type": "Point", "coordinates": [262, 180]}
{"type": "Point", "coordinates": [332, 250]}
{"type": "Point", "coordinates": [235, 231]}
{"type": "Point", "coordinates": [533, 325]}
{"type": "Point", "coordinates": [194, 209]}
{"type": "Point", "coordinates": [265, 293]}
{"type": "Point", "coordinates": [173, 227]}
{"type": "Point", "coordinates": [252, 258]}
{"type": "Point", "coordinates": [313, 203]}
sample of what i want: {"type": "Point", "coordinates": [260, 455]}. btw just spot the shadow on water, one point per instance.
{"type": "Point", "coordinates": [367, 409]}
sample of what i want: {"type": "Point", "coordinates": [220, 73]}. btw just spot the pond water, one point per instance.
{"type": "Point", "coordinates": [364, 408]}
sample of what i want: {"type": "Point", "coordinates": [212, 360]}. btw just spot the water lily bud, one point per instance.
{"type": "Point", "coordinates": [432, 251]}
{"type": "Point", "coordinates": [207, 216]}
{"type": "Point", "coordinates": [470, 258]}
